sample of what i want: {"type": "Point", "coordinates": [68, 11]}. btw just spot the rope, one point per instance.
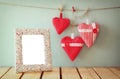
{"type": "Point", "coordinates": [41, 7]}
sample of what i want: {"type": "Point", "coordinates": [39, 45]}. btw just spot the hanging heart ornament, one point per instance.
{"type": "Point", "coordinates": [88, 32]}
{"type": "Point", "coordinates": [60, 23]}
{"type": "Point", "coordinates": [71, 46]}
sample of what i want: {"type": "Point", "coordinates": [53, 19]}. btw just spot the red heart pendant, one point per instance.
{"type": "Point", "coordinates": [60, 24]}
{"type": "Point", "coordinates": [72, 46]}
{"type": "Point", "coordinates": [88, 32]}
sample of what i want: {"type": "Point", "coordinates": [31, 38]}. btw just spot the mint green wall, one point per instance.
{"type": "Point", "coordinates": [105, 52]}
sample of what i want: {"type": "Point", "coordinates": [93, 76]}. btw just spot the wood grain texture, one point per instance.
{"type": "Point", "coordinates": [105, 73]}
{"type": "Point", "coordinates": [116, 71]}
{"type": "Point", "coordinates": [64, 73]}
{"type": "Point", "coordinates": [93, 73]}
{"type": "Point", "coordinates": [11, 74]}
{"type": "Point", "coordinates": [69, 73]}
{"type": "Point", "coordinates": [31, 75]}
{"type": "Point", "coordinates": [85, 74]}
{"type": "Point", "coordinates": [3, 70]}
{"type": "Point", "coordinates": [55, 73]}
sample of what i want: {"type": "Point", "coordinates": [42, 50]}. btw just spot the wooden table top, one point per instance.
{"type": "Point", "coordinates": [64, 73]}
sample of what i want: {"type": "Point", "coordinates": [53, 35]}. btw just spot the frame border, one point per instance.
{"type": "Point", "coordinates": [36, 67]}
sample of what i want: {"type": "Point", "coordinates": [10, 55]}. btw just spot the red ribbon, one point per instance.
{"type": "Point", "coordinates": [60, 14]}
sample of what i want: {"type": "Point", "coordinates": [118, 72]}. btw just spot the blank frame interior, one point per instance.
{"type": "Point", "coordinates": [33, 50]}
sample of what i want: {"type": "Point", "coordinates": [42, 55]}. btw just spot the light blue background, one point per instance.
{"type": "Point", "coordinates": [105, 51]}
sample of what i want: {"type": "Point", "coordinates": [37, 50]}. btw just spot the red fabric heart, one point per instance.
{"type": "Point", "coordinates": [72, 46]}
{"type": "Point", "coordinates": [60, 24]}
{"type": "Point", "coordinates": [88, 32]}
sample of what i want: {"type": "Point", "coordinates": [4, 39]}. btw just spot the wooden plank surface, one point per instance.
{"type": "Point", "coordinates": [66, 73]}
{"type": "Point", "coordinates": [50, 75]}
{"type": "Point", "coordinates": [11, 74]}
{"type": "Point", "coordinates": [84, 73]}
{"type": "Point", "coordinates": [105, 73]}
{"type": "Point", "coordinates": [116, 71]}
{"type": "Point", "coordinates": [69, 73]}
{"type": "Point", "coordinates": [31, 75]}
{"type": "Point", "coordinates": [93, 73]}
{"type": "Point", "coordinates": [3, 70]}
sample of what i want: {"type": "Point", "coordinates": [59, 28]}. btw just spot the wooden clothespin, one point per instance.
{"type": "Point", "coordinates": [73, 9]}
{"type": "Point", "coordinates": [60, 8]}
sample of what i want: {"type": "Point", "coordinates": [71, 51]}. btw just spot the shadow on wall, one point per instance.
{"type": "Point", "coordinates": [102, 37]}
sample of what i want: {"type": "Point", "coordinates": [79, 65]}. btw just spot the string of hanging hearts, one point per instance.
{"type": "Point", "coordinates": [73, 45]}
{"type": "Point", "coordinates": [88, 31]}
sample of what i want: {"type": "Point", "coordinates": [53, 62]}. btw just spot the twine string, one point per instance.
{"type": "Point", "coordinates": [41, 7]}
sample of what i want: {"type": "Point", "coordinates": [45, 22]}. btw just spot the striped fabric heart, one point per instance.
{"type": "Point", "coordinates": [88, 33]}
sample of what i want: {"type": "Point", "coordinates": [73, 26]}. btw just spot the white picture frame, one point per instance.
{"type": "Point", "coordinates": [33, 53]}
